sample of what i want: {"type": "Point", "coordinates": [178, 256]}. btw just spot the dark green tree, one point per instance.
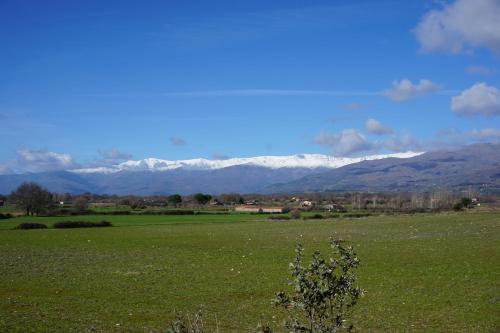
{"type": "Point", "coordinates": [202, 199]}
{"type": "Point", "coordinates": [174, 199]}
{"type": "Point", "coordinates": [463, 203]}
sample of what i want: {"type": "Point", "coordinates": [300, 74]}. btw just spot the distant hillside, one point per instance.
{"type": "Point", "coordinates": [154, 176]}
{"type": "Point", "coordinates": [241, 179]}
{"type": "Point", "coordinates": [475, 165]}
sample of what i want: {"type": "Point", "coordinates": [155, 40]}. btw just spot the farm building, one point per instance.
{"type": "Point", "coordinates": [215, 202]}
{"type": "Point", "coordinates": [334, 207]}
{"type": "Point", "coordinates": [259, 209]}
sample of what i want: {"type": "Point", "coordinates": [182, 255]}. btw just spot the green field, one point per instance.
{"type": "Point", "coordinates": [436, 272]}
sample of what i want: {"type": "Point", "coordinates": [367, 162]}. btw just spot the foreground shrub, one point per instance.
{"type": "Point", "coordinates": [323, 296]}
{"type": "Point", "coordinates": [81, 224]}
{"type": "Point", "coordinates": [324, 292]}
{"type": "Point", "coordinates": [27, 226]}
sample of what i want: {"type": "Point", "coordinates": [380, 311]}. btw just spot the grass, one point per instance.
{"type": "Point", "coordinates": [422, 273]}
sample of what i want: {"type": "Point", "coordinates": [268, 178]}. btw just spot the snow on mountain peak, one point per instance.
{"type": "Point", "coordinates": [309, 161]}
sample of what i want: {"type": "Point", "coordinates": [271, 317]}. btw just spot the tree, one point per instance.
{"type": "Point", "coordinates": [174, 199]}
{"type": "Point", "coordinates": [32, 198]}
{"type": "Point", "coordinates": [466, 202]}
{"type": "Point", "coordinates": [231, 198]}
{"type": "Point", "coordinates": [463, 203]}
{"type": "Point", "coordinates": [81, 204]}
{"type": "Point", "coordinates": [138, 204]}
{"type": "Point", "coordinates": [324, 292]}
{"type": "Point", "coordinates": [201, 198]}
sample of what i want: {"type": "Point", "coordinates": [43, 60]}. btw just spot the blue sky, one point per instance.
{"type": "Point", "coordinates": [98, 82]}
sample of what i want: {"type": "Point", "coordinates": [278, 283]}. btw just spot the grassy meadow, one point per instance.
{"type": "Point", "coordinates": [426, 272]}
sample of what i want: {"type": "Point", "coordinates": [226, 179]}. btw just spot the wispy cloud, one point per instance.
{"type": "Point", "coordinates": [246, 26]}
{"type": "Point", "coordinates": [485, 134]}
{"type": "Point", "coordinates": [177, 141]}
{"type": "Point", "coordinates": [113, 156]}
{"type": "Point", "coordinates": [262, 92]}
{"type": "Point", "coordinates": [270, 92]}
{"type": "Point", "coordinates": [480, 70]}
{"type": "Point", "coordinates": [217, 156]}
{"type": "Point", "coordinates": [354, 106]}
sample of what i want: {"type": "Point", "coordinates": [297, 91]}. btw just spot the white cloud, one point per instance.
{"type": "Point", "coordinates": [42, 160]}
{"type": "Point", "coordinates": [354, 106]}
{"type": "Point", "coordinates": [480, 70]}
{"type": "Point", "coordinates": [454, 138]}
{"type": "Point", "coordinates": [404, 90]}
{"type": "Point", "coordinates": [113, 156]}
{"type": "Point", "coordinates": [177, 141]}
{"type": "Point", "coordinates": [375, 127]}
{"type": "Point", "coordinates": [402, 143]}
{"type": "Point", "coordinates": [218, 156]}
{"type": "Point", "coordinates": [460, 26]}
{"type": "Point", "coordinates": [447, 137]}
{"type": "Point", "coordinates": [348, 142]}
{"type": "Point", "coordinates": [352, 142]}
{"type": "Point", "coordinates": [5, 169]}
{"type": "Point", "coordinates": [485, 133]}
{"type": "Point", "coordinates": [480, 99]}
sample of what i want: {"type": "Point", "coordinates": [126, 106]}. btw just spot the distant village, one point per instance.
{"type": "Point", "coordinates": [261, 204]}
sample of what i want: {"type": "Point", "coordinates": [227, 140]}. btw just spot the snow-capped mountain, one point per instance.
{"type": "Point", "coordinates": [157, 176]}
{"type": "Point", "coordinates": [307, 161]}
{"type": "Point", "coordinates": [476, 165]}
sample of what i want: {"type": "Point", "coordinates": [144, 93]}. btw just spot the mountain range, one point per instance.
{"type": "Point", "coordinates": [475, 165]}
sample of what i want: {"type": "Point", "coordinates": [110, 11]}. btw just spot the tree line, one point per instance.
{"type": "Point", "coordinates": [36, 200]}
